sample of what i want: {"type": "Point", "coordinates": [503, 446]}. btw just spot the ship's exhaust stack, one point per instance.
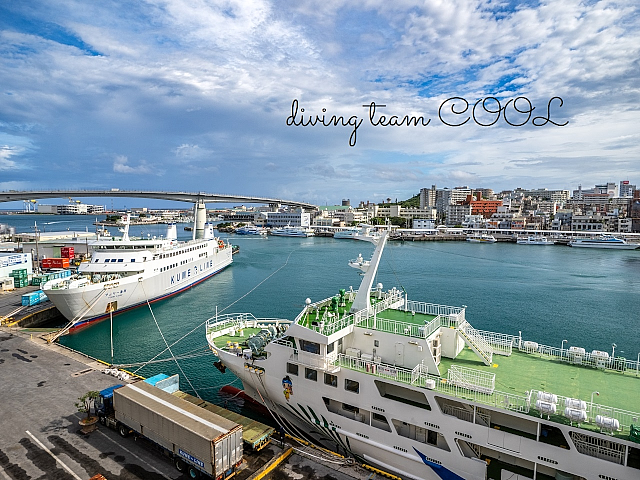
{"type": "Point", "coordinates": [172, 232]}
{"type": "Point", "coordinates": [208, 231]}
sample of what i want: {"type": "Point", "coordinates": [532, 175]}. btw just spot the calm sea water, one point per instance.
{"type": "Point", "coordinates": [549, 293]}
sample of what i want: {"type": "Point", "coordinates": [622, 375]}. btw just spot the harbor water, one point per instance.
{"type": "Point", "coordinates": [588, 297]}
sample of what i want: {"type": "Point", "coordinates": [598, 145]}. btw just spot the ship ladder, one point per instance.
{"type": "Point", "coordinates": [478, 345]}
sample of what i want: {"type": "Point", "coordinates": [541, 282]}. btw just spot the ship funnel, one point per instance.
{"type": "Point", "coordinates": [208, 231]}
{"type": "Point", "coordinates": [172, 232]}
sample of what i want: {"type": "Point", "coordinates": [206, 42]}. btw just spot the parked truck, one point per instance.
{"type": "Point", "coordinates": [199, 442]}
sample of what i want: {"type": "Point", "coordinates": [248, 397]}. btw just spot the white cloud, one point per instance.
{"type": "Point", "coordinates": [120, 165]}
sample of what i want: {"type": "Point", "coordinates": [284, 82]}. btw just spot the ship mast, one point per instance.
{"type": "Point", "coordinates": [363, 299]}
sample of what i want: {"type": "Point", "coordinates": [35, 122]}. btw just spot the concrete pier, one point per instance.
{"type": "Point", "coordinates": [41, 437]}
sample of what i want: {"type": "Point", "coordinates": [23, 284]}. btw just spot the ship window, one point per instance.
{"type": "Point", "coordinates": [311, 374]}
{"type": "Point", "coordinates": [96, 260]}
{"type": "Point", "coordinates": [351, 385]}
{"type": "Point", "coordinates": [120, 260]}
{"type": "Point", "coordinates": [330, 380]}
{"type": "Point", "coordinates": [292, 368]}
{"type": "Point", "coordinates": [133, 259]}
{"type": "Point", "coordinates": [350, 408]}
{"type": "Point", "coordinates": [310, 347]}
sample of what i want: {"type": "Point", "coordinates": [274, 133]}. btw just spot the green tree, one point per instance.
{"type": "Point", "coordinates": [85, 402]}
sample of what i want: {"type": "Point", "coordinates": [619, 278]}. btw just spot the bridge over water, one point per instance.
{"type": "Point", "coordinates": [199, 199]}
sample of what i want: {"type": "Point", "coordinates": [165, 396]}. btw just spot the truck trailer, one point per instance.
{"type": "Point", "coordinates": [198, 441]}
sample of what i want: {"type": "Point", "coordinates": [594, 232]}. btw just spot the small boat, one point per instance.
{"type": "Point", "coordinates": [251, 230]}
{"type": "Point", "coordinates": [290, 231]}
{"type": "Point", "coordinates": [535, 240]}
{"type": "Point", "coordinates": [348, 233]}
{"type": "Point", "coordinates": [481, 238]}
{"type": "Point", "coordinates": [604, 241]}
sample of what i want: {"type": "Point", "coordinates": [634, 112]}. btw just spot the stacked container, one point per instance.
{"type": "Point", "coordinates": [55, 263]}
{"type": "Point", "coordinates": [20, 278]}
{"type": "Point", "coordinates": [67, 252]}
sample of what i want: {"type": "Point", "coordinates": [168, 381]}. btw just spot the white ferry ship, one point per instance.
{"type": "Point", "coordinates": [251, 230]}
{"type": "Point", "coordinates": [604, 241]}
{"type": "Point", "coordinates": [289, 231]}
{"type": "Point", "coordinates": [535, 240]}
{"type": "Point", "coordinates": [414, 389]}
{"type": "Point", "coordinates": [125, 274]}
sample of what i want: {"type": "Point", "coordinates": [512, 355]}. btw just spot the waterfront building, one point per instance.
{"type": "Point", "coordinates": [428, 197]}
{"type": "Point", "coordinates": [447, 197]}
{"type": "Point", "coordinates": [420, 223]}
{"type": "Point", "coordinates": [282, 219]}
{"type": "Point", "coordinates": [456, 214]}
{"type": "Point", "coordinates": [589, 223]}
{"type": "Point", "coordinates": [71, 209]}
{"type": "Point", "coordinates": [479, 206]}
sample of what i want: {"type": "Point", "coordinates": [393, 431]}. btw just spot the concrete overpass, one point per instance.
{"type": "Point", "coordinates": [199, 199]}
{"type": "Point", "coordinates": [189, 197]}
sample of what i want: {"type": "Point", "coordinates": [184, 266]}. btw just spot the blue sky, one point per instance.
{"type": "Point", "coordinates": [194, 95]}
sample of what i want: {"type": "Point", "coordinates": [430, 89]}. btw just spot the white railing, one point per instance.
{"type": "Point", "coordinates": [476, 342]}
{"type": "Point", "coordinates": [501, 343]}
{"type": "Point", "coordinates": [327, 325]}
{"type": "Point", "coordinates": [225, 324]}
{"type": "Point", "coordinates": [472, 379]}
{"type": "Point", "coordinates": [501, 400]}
{"type": "Point", "coordinates": [619, 364]}
{"type": "Point", "coordinates": [456, 313]}
{"type": "Point", "coordinates": [458, 412]}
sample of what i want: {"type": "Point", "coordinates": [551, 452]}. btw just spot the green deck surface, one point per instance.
{"type": "Point", "coordinates": [522, 371]}
{"type": "Point", "coordinates": [254, 433]}
{"type": "Point", "coordinates": [390, 314]}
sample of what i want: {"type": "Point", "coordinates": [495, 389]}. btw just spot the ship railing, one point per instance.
{"type": "Point", "coordinates": [589, 359]}
{"type": "Point", "coordinates": [496, 399]}
{"type": "Point", "coordinates": [331, 322]}
{"type": "Point", "coordinates": [455, 314]}
{"type": "Point", "coordinates": [625, 417]}
{"type": "Point", "coordinates": [228, 322]}
{"type": "Point", "coordinates": [501, 343]}
{"type": "Point", "coordinates": [308, 359]}
{"type": "Point", "coordinates": [400, 328]}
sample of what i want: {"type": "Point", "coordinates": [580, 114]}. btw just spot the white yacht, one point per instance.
{"type": "Point", "coordinates": [481, 238]}
{"type": "Point", "coordinates": [348, 233]}
{"type": "Point", "coordinates": [535, 240]}
{"type": "Point", "coordinates": [604, 241]}
{"type": "Point", "coordinates": [251, 230]}
{"type": "Point", "coordinates": [125, 273]}
{"type": "Point", "coordinates": [413, 389]}
{"type": "Point", "coordinates": [289, 231]}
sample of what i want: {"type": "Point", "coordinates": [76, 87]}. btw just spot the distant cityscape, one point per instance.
{"type": "Point", "coordinates": [607, 207]}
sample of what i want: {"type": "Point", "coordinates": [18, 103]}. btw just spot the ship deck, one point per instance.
{"type": "Point", "coordinates": [522, 372]}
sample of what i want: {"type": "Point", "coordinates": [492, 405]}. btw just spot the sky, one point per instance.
{"type": "Point", "coordinates": [195, 95]}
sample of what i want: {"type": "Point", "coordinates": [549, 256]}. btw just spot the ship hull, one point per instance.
{"type": "Point", "coordinates": [93, 302]}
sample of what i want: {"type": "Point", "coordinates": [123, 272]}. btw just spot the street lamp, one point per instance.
{"type": "Point", "coordinates": [562, 347]}
{"type": "Point", "coordinates": [613, 353]}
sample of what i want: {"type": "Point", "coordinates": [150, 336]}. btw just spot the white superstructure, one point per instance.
{"type": "Point", "coordinates": [414, 389]}
{"type": "Point", "coordinates": [125, 273]}
{"type": "Point", "coordinates": [605, 241]}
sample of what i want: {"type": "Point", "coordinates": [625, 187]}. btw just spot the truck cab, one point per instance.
{"type": "Point", "coordinates": [104, 406]}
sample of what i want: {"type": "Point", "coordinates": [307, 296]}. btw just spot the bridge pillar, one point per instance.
{"type": "Point", "coordinates": [199, 216]}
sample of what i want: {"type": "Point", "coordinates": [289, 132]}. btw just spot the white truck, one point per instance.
{"type": "Point", "coordinates": [199, 442]}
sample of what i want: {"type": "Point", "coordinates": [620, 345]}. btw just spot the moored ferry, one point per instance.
{"type": "Point", "coordinates": [481, 238]}
{"type": "Point", "coordinates": [290, 231]}
{"type": "Point", "coordinates": [414, 389]}
{"type": "Point", "coordinates": [127, 273]}
{"type": "Point", "coordinates": [534, 240]}
{"type": "Point", "coordinates": [604, 241]}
